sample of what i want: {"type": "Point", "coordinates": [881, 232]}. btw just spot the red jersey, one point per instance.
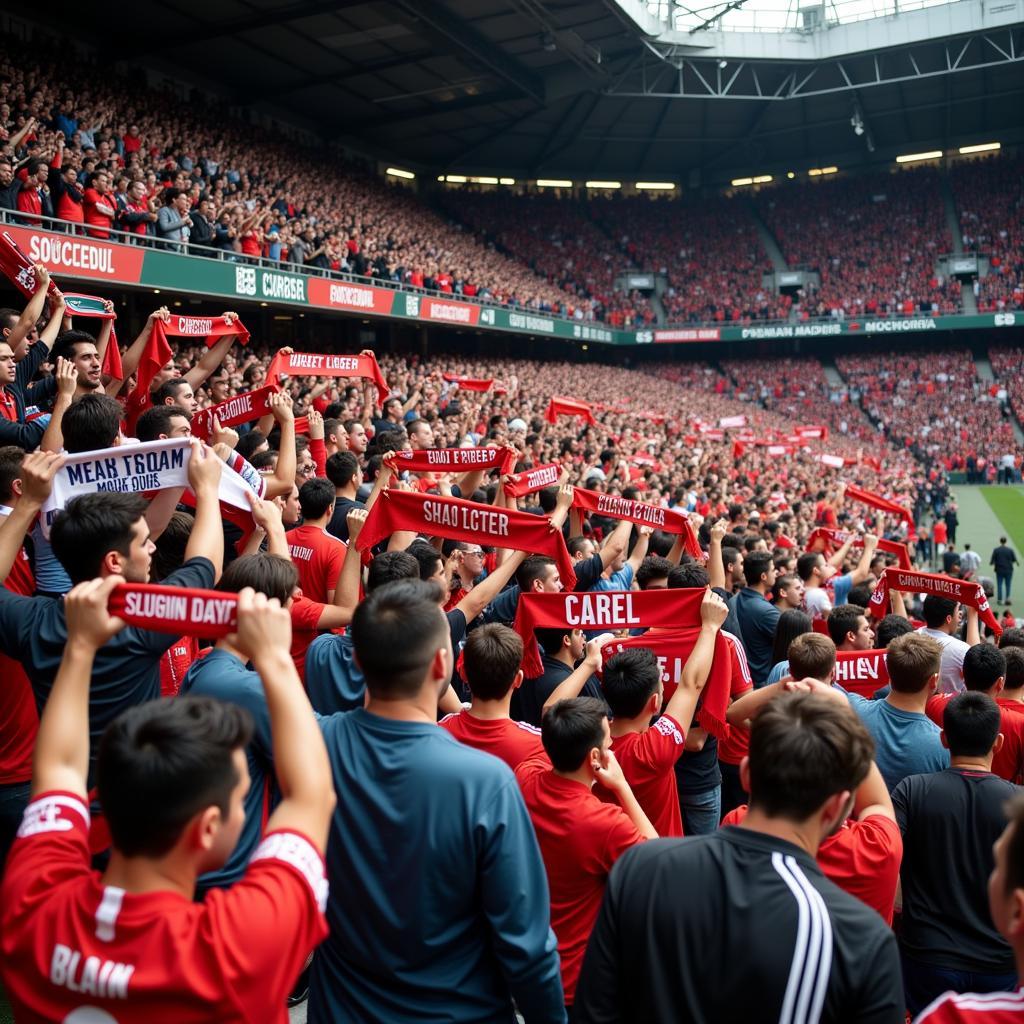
{"type": "Point", "coordinates": [74, 948]}
{"type": "Point", "coordinates": [736, 744]}
{"type": "Point", "coordinates": [513, 742]}
{"type": "Point", "coordinates": [862, 858]}
{"type": "Point", "coordinates": [1008, 762]}
{"type": "Point", "coordinates": [174, 664]}
{"type": "Point", "coordinates": [305, 629]}
{"type": "Point", "coordinates": [99, 212]}
{"type": "Point", "coordinates": [648, 761]}
{"type": "Point", "coordinates": [8, 406]}
{"type": "Point", "coordinates": [318, 557]}
{"type": "Point", "coordinates": [580, 839]}
{"type": "Point", "coordinates": [971, 1008]}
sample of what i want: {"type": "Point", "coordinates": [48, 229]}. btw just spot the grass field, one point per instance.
{"type": "Point", "coordinates": [1008, 504]}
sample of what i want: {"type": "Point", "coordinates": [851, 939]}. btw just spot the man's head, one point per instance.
{"type": "Point", "coordinates": [632, 684]}
{"type": "Point", "coordinates": [491, 660]}
{"type": "Point", "coordinates": [402, 642]}
{"type": "Point", "coordinates": [161, 421]}
{"type": "Point", "coordinates": [431, 564]}
{"type": "Point", "coordinates": [985, 669]}
{"type": "Point", "coordinates": [913, 661]}
{"type": "Point", "coordinates": [178, 393]}
{"type": "Point", "coordinates": [575, 734]}
{"type": "Point", "coordinates": [91, 424]}
{"type": "Point", "coordinates": [1006, 883]}
{"type": "Point", "coordinates": [732, 561]}
{"type": "Point", "coordinates": [272, 575]}
{"type": "Point", "coordinates": [891, 627]}
{"type": "Point", "coordinates": [653, 573]}
{"type": "Point", "coordinates": [1014, 661]}
{"type": "Point", "coordinates": [812, 656]}
{"type": "Point", "coordinates": [539, 575]}
{"type": "Point", "coordinates": [788, 592]}
{"type": "Point", "coordinates": [807, 757]}
{"type": "Point", "coordinates": [581, 548]}
{"type": "Point", "coordinates": [420, 435]}
{"type": "Point", "coordinates": [970, 726]}
{"type": "Point", "coordinates": [11, 458]}
{"type": "Point", "coordinates": [941, 613]}
{"type": "Point", "coordinates": [343, 470]}
{"type": "Point", "coordinates": [1013, 636]}
{"type": "Point", "coordinates": [759, 570]}
{"type": "Point", "coordinates": [812, 569]}
{"type": "Point", "coordinates": [687, 576]}
{"type": "Point", "coordinates": [556, 640]}
{"type": "Point", "coordinates": [219, 385]}
{"type": "Point", "coordinates": [305, 466]}
{"type": "Point", "coordinates": [79, 347]}
{"type": "Point", "coordinates": [390, 566]}
{"type": "Point", "coordinates": [103, 534]}
{"type": "Point", "coordinates": [316, 499]}
{"type": "Point", "coordinates": [184, 761]}
{"type": "Point", "coordinates": [850, 629]}
{"type": "Point", "coordinates": [356, 434]}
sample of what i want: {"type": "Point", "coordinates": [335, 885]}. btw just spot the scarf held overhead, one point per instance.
{"type": "Point", "coordinates": [91, 306]}
{"type": "Point", "coordinates": [639, 512]}
{"type": "Point", "coordinates": [458, 519]}
{"type": "Point", "coordinates": [877, 501]}
{"type": "Point", "coordinates": [213, 328]}
{"type": "Point", "coordinates": [250, 405]}
{"type": "Point", "coordinates": [834, 539]}
{"type": "Point", "coordinates": [968, 593]}
{"type": "Point", "coordinates": [530, 480]}
{"type": "Point", "coordinates": [180, 611]}
{"type": "Point", "coordinates": [469, 383]}
{"type": "Point", "coordinates": [454, 460]}
{"type": "Point", "coordinates": [568, 407]}
{"type": "Point", "coordinates": [605, 610]}
{"type": "Point", "coordinates": [312, 364]}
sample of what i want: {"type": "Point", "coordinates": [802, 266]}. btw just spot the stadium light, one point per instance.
{"type": "Point", "coordinates": [604, 184]}
{"type": "Point", "coordinates": [909, 158]}
{"type": "Point", "coordinates": [814, 172]}
{"type": "Point", "coordinates": [506, 181]}
{"type": "Point", "coordinates": [397, 172]}
{"type": "Point", "coordinates": [762, 179]}
{"type": "Point", "coordinates": [982, 147]}
{"type": "Point", "coordinates": [656, 186]}
{"type": "Point", "coordinates": [553, 183]}
{"type": "Point", "coordinates": [791, 175]}
{"type": "Point", "coordinates": [737, 182]}
{"type": "Point", "coordinates": [484, 181]}
{"type": "Point", "coordinates": [455, 179]}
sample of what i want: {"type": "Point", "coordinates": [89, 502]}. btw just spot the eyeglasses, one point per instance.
{"type": "Point", "coordinates": [308, 470]}
{"type": "Point", "coordinates": [473, 551]}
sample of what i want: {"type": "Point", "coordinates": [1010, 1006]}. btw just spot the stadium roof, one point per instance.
{"type": "Point", "coordinates": [529, 88]}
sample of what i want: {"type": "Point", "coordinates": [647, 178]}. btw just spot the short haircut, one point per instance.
{"type": "Point", "coordinates": [804, 748]}
{"type": "Point", "coordinates": [64, 346]}
{"type": "Point", "coordinates": [316, 496]}
{"type": "Point", "coordinates": [427, 557]}
{"type": "Point", "coordinates": [170, 545]}
{"type": "Point", "coordinates": [688, 576]}
{"type": "Point", "coordinates": [389, 566]}
{"type": "Point", "coordinates": [755, 565]}
{"type": "Point", "coordinates": [534, 567]}
{"type": "Point", "coordinates": [174, 758]}
{"type": "Point", "coordinates": [396, 632]}
{"type": "Point", "coordinates": [629, 679]}
{"type": "Point", "coordinates": [1011, 637]}
{"type": "Point", "coordinates": [341, 468]}
{"type": "Point", "coordinates": [91, 526]}
{"type": "Point", "coordinates": [812, 656]}
{"type": "Point", "coordinates": [552, 638]}
{"type": "Point", "coordinates": [891, 627]}
{"type": "Point", "coordinates": [576, 545]}
{"type": "Point", "coordinates": [730, 555]}
{"type": "Point", "coordinates": [1014, 667]}
{"type": "Point", "coordinates": [11, 458]}
{"type": "Point", "coordinates": [571, 729]}
{"type": "Point", "coordinates": [843, 619]}
{"type": "Point", "coordinates": [791, 624]}
{"type": "Point", "coordinates": [782, 583]}
{"type": "Point", "coordinates": [984, 666]}
{"type": "Point", "coordinates": [807, 563]}
{"type": "Point", "coordinates": [860, 595]}
{"type": "Point", "coordinates": [653, 567]}
{"type": "Point", "coordinates": [971, 724]}
{"type": "Point", "coordinates": [937, 609]}
{"type": "Point", "coordinates": [490, 660]}
{"type": "Point", "coordinates": [156, 420]}
{"type": "Point", "coordinates": [91, 423]}
{"type": "Point", "coordinates": [272, 575]}
{"type": "Point", "coordinates": [263, 460]}
{"type": "Point", "coordinates": [169, 389]}
{"type": "Point", "coordinates": [912, 660]}
{"type": "Point", "coordinates": [249, 442]}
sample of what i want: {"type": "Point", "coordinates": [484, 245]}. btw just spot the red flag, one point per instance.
{"type": "Point", "coordinates": [877, 501]}
{"type": "Point", "coordinates": [18, 268]}
{"type": "Point", "coordinates": [568, 407]}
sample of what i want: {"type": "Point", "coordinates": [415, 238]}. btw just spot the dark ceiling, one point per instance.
{"type": "Point", "coordinates": [523, 88]}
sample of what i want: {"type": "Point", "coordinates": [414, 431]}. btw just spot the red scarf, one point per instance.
{"type": "Point", "coordinates": [469, 383]}
{"type": "Point", "coordinates": [862, 672]}
{"type": "Point", "coordinates": [639, 512]}
{"type": "Point", "coordinates": [877, 501]}
{"type": "Point", "coordinates": [250, 405]}
{"type": "Point", "coordinates": [453, 460]}
{"type": "Point", "coordinates": [310, 364]}
{"type": "Point", "coordinates": [672, 651]}
{"type": "Point", "coordinates": [603, 610]}
{"type": "Point", "coordinates": [820, 432]}
{"type": "Point", "coordinates": [18, 268]}
{"type": "Point", "coordinates": [834, 539]}
{"type": "Point", "coordinates": [181, 611]}
{"type": "Point", "coordinates": [531, 480]}
{"type": "Point", "coordinates": [568, 407]}
{"type": "Point", "coordinates": [968, 593]}
{"type": "Point", "coordinates": [458, 519]}
{"type": "Point", "coordinates": [213, 328]}
{"type": "Point", "coordinates": [92, 306]}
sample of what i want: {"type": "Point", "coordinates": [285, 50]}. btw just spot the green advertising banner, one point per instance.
{"type": "Point", "coordinates": [198, 275]}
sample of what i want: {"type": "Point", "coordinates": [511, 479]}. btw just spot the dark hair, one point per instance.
{"type": "Point", "coordinates": [688, 576]}
{"type": "Point", "coordinates": [170, 545]}
{"type": "Point", "coordinates": [396, 631]}
{"type": "Point", "coordinates": [156, 420]}
{"type": "Point", "coordinates": [807, 563]}
{"type": "Point", "coordinates": [491, 659]}
{"type": "Point", "coordinates": [1011, 637]}
{"type": "Point", "coordinates": [812, 656]}
{"type": "Point", "coordinates": [169, 389]}
{"type": "Point", "coordinates": [341, 468]}
{"type": "Point", "coordinates": [912, 660]}
{"type": "Point", "coordinates": [730, 554]}
{"type": "Point", "coordinates": [575, 545]}
{"type": "Point", "coordinates": [630, 677]}
{"type": "Point", "coordinates": [755, 565]}
{"type": "Point", "coordinates": [971, 724]}
{"type": "Point", "coordinates": [1014, 667]}
{"type": "Point", "coordinates": [891, 627]}
{"type": "Point", "coordinates": [64, 346]}
{"type": "Point", "coordinates": [803, 750]}
{"type": "Point", "coordinates": [173, 758]}
{"type": "Point", "coordinates": [11, 458]}
{"type": "Point", "coordinates": [91, 526]}
{"type": "Point", "coordinates": [389, 566]}
{"type": "Point", "coordinates": [552, 639]}
{"type": "Point", "coordinates": [790, 624]}
{"type": "Point", "coordinates": [653, 567]}
{"type": "Point", "coordinates": [264, 460]}
{"type": "Point", "coordinates": [984, 666]}
{"type": "Point", "coordinates": [316, 496]}
{"type": "Point", "coordinates": [860, 595]}
{"type": "Point", "coordinates": [535, 567]}
{"type": "Point", "coordinates": [571, 729]}
{"type": "Point", "coordinates": [273, 575]}
{"type": "Point", "coordinates": [937, 609]}
{"type": "Point", "coordinates": [843, 619]}
{"type": "Point", "coordinates": [91, 423]}
{"type": "Point", "coordinates": [781, 582]}
{"type": "Point", "coordinates": [249, 442]}
{"type": "Point", "coordinates": [427, 557]}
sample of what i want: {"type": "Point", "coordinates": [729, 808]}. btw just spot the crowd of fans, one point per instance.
{"type": "Point", "coordinates": [1008, 367]}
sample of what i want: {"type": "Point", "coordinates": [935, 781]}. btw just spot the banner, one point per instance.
{"type": "Point", "coordinates": [179, 611]}
{"type": "Point", "coordinates": [312, 364]}
{"type": "Point", "coordinates": [568, 407]}
{"type": "Point", "coordinates": [639, 512]}
{"type": "Point", "coordinates": [213, 328]}
{"type": "Point", "coordinates": [243, 408]}
{"type": "Point", "coordinates": [862, 672]}
{"type": "Point", "coordinates": [732, 421]}
{"type": "Point", "coordinates": [962, 591]}
{"type": "Point", "coordinates": [452, 460]}
{"type": "Point", "coordinates": [531, 480]}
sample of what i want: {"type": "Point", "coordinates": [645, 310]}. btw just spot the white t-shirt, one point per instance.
{"type": "Point", "coordinates": [951, 668]}
{"type": "Point", "coordinates": [817, 603]}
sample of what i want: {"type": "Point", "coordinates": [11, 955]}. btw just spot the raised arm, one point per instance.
{"type": "Point", "coordinates": [33, 309]}
{"type": "Point", "coordinates": [616, 543]}
{"type": "Point", "coordinates": [484, 593]}
{"type": "Point", "coordinates": [300, 757]}
{"type": "Point", "coordinates": [973, 633]}
{"type": "Point", "coordinates": [103, 335]}
{"type": "Point", "coordinates": [61, 758]}
{"type": "Point", "coordinates": [571, 686]}
{"type": "Point", "coordinates": [837, 559]}
{"type": "Point", "coordinates": [37, 472]}
{"type": "Point", "coordinates": [610, 776]}
{"type": "Point", "coordinates": [58, 312]}
{"type": "Point", "coordinates": [346, 593]}
{"type": "Point", "coordinates": [283, 479]}
{"type": "Point", "coordinates": [683, 703]}
{"type": "Point", "coordinates": [67, 381]}
{"type": "Point", "coordinates": [716, 568]}
{"type": "Point", "coordinates": [207, 537]}
{"type": "Point", "coordinates": [863, 568]}
{"type": "Point", "coordinates": [132, 357]}
{"type": "Point", "coordinates": [639, 552]}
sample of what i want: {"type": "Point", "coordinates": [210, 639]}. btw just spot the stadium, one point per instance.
{"type": "Point", "coordinates": [674, 351]}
